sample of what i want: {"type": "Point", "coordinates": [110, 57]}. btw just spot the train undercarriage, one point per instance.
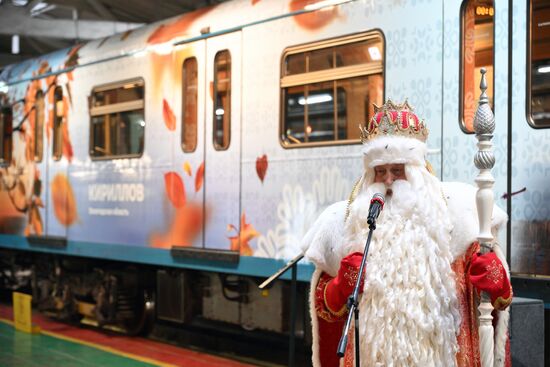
{"type": "Point", "coordinates": [220, 313]}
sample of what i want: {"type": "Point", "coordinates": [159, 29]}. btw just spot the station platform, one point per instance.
{"type": "Point", "coordinates": [60, 344]}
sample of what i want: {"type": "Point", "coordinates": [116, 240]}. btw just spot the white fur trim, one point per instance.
{"type": "Point", "coordinates": [315, 356]}
{"type": "Point", "coordinates": [501, 329]}
{"type": "Point", "coordinates": [461, 201]}
{"type": "Point", "coordinates": [394, 149]}
{"type": "Point", "coordinates": [501, 336]}
{"type": "Point", "coordinates": [323, 240]}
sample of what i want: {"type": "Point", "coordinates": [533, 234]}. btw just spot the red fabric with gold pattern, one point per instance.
{"type": "Point", "coordinates": [339, 289]}
{"type": "Point", "coordinates": [468, 337]}
{"type": "Point", "coordinates": [320, 304]}
{"type": "Point", "coordinates": [394, 119]}
{"type": "Point", "coordinates": [330, 326]}
{"type": "Point", "coordinates": [468, 355]}
{"type": "Point", "coordinates": [407, 119]}
{"type": "Point", "coordinates": [487, 274]}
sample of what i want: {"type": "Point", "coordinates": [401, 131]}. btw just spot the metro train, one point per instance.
{"type": "Point", "coordinates": [155, 177]}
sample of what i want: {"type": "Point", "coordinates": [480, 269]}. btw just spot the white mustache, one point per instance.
{"type": "Point", "coordinates": [400, 197]}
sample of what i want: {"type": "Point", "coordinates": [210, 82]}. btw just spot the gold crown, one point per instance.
{"type": "Point", "coordinates": [394, 119]}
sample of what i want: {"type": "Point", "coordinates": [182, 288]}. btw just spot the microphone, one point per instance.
{"type": "Point", "coordinates": [376, 205]}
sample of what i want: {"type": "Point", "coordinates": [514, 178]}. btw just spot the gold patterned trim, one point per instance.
{"type": "Point", "coordinates": [495, 272]}
{"type": "Point", "coordinates": [320, 306]}
{"type": "Point", "coordinates": [353, 194]}
{"type": "Point", "coordinates": [501, 303]}
{"type": "Point", "coordinates": [339, 313]}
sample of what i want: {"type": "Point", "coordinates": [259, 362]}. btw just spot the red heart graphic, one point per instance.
{"type": "Point", "coordinates": [261, 166]}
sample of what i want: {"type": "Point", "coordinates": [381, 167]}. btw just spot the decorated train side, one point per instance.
{"type": "Point", "coordinates": [162, 173]}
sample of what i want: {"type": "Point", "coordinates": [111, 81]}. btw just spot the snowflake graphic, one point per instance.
{"type": "Point", "coordinates": [298, 210]}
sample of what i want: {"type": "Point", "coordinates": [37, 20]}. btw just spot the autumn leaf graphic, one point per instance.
{"type": "Point", "coordinates": [175, 190]}
{"type": "Point", "coordinates": [187, 169]}
{"type": "Point", "coordinates": [177, 28]}
{"type": "Point", "coordinates": [261, 167]}
{"type": "Point", "coordinates": [312, 20]}
{"type": "Point", "coordinates": [64, 202]}
{"type": "Point", "coordinates": [199, 177]}
{"type": "Point", "coordinates": [168, 114]}
{"type": "Point", "coordinates": [185, 227]}
{"type": "Point", "coordinates": [240, 242]}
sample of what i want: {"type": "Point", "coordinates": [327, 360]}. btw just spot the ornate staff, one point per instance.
{"type": "Point", "coordinates": [484, 126]}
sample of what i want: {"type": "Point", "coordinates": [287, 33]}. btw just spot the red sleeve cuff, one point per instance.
{"type": "Point", "coordinates": [322, 309]}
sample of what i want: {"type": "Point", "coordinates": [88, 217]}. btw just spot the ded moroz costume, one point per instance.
{"type": "Point", "coordinates": [423, 272]}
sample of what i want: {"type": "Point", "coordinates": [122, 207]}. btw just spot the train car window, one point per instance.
{"type": "Point", "coordinates": [6, 128]}
{"type": "Point", "coordinates": [117, 126]}
{"type": "Point", "coordinates": [222, 100]}
{"type": "Point", "coordinates": [477, 30]}
{"type": "Point", "coordinates": [58, 112]}
{"type": "Point", "coordinates": [189, 105]}
{"type": "Point", "coordinates": [328, 89]}
{"type": "Point", "coordinates": [38, 126]}
{"type": "Point", "coordinates": [538, 64]}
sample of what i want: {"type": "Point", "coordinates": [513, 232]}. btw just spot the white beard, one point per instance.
{"type": "Point", "coordinates": [409, 313]}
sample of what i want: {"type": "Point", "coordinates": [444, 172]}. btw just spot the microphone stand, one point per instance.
{"type": "Point", "coordinates": [292, 264]}
{"type": "Point", "coordinates": [353, 304]}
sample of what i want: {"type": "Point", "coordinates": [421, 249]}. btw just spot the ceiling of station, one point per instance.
{"type": "Point", "coordinates": [42, 26]}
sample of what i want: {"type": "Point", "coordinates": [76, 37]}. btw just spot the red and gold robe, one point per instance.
{"type": "Point", "coordinates": [330, 324]}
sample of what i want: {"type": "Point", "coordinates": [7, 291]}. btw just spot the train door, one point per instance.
{"type": "Point", "coordinates": [529, 194]}
{"type": "Point", "coordinates": [485, 46]}
{"type": "Point", "coordinates": [189, 103]}
{"type": "Point", "coordinates": [222, 141]}
{"type": "Point", "coordinates": [478, 40]}
{"type": "Point", "coordinates": [60, 205]}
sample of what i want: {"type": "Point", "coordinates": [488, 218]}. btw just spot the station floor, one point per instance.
{"type": "Point", "coordinates": [62, 345]}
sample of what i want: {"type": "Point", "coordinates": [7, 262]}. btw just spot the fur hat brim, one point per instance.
{"type": "Point", "coordinates": [394, 150]}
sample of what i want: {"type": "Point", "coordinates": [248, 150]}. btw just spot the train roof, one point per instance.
{"type": "Point", "coordinates": [160, 36]}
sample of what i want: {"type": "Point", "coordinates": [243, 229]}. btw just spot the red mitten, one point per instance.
{"type": "Point", "coordinates": [487, 274]}
{"type": "Point", "coordinates": [339, 289]}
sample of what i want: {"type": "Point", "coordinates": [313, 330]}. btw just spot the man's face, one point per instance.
{"type": "Point", "coordinates": [388, 173]}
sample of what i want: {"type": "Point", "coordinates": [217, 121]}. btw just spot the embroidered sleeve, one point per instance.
{"type": "Point", "coordinates": [486, 273]}
{"type": "Point", "coordinates": [323, 311]}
